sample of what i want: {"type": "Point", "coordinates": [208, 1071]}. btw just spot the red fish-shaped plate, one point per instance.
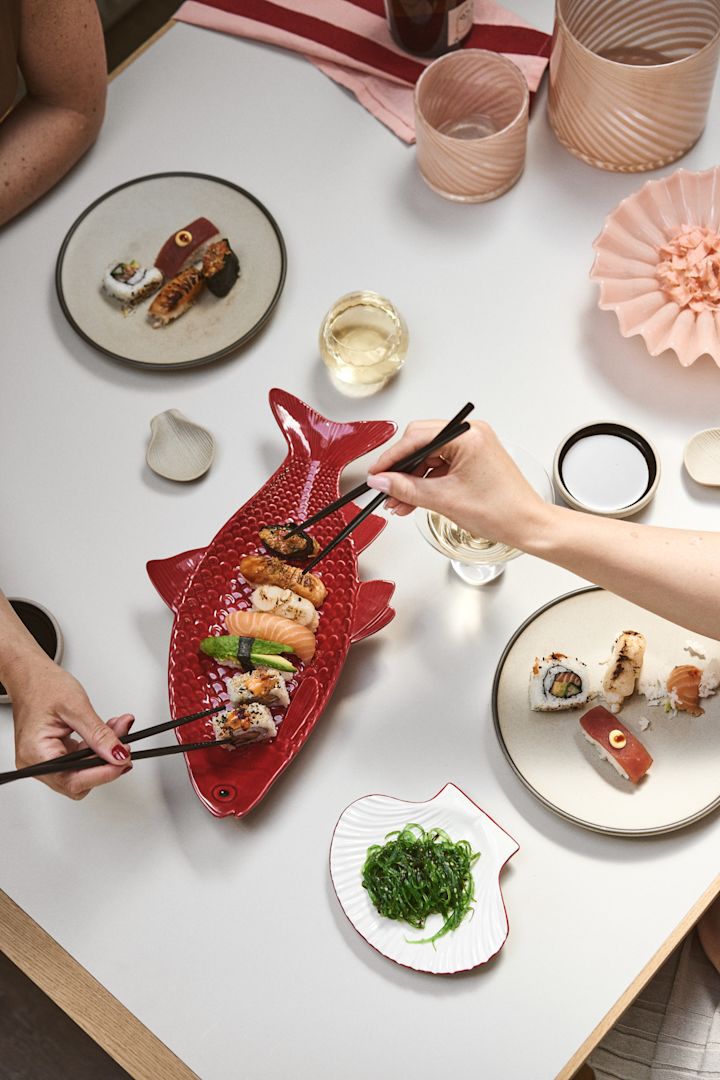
{"type": "Point", "coordinates": [203, 585]}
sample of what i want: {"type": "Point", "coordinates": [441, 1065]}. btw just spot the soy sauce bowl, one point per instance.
{"type": "Point", "coordinates": [607, 469]}
{"type": "Point", "coordinates": [43, 626]}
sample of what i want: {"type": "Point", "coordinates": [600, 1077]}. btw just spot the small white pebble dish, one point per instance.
{"type": "Point", "coordinates": [179, 449]}
{"type": "Point", "coordinates": [702, 457]}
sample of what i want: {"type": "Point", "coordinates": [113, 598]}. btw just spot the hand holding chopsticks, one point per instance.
{"type": "Point", "coordinates": [452, 430]}
{"type": "Point", "coordinates": [87, 759]}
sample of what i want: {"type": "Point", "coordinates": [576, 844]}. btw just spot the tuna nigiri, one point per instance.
{"type": "Point", "coordinates": [263, 624]}
{"type": "Point", "coordinates": [683, 685]}
{"type": "Point", "coordinates": [616, 744]}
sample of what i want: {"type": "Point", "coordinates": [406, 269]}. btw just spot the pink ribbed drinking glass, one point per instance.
{"type": "Point", "coordinates": [471, 115]}
{"type": "Point", "coordinates": [630, 80]}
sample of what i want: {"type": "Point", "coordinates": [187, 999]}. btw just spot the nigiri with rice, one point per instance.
{"type": "Point", "coordinates": [284, 602]}
{"type": "Point", "coordinates": [616, 744]}
{"type": "Point", "coordinates": [623, 668]}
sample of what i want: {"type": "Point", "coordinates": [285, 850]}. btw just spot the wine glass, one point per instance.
{"type": "Point", "coordinates": [477, 560]}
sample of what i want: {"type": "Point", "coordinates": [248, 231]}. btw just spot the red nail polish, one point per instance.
{"type": "Point", "coordinates": [121, 753]}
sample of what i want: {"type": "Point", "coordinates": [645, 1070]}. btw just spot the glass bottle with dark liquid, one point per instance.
{"type": "Point", "coordinates": [429, 27]}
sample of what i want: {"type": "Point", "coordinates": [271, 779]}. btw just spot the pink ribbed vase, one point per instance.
{"type": "Point", "coordinates": [630, 80]}
{"type": "Point", "coordinates": [471, 115]}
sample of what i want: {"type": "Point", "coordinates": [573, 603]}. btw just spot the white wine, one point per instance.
{"type": "Point", "coordinates": [457, 543]}
{"type": "Point", "coordinates": [363, 342]}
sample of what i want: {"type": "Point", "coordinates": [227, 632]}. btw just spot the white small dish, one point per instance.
{"type": "Point", "coordinates": [702, 457]}
{"type": "Point", "coordinates": [43, 626]}
{"type": "Point", "coordinates": [480, 936]}
{"type": "Point", "coordinates": [179, 449]}
{"type": "Point", "coordinates": [607, 469]}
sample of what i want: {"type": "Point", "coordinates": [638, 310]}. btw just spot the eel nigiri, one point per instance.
{"type": "Point", "coordinates": [616, 744]}
{"type": "Point", "coordinates": [262, 624]}
{"type": "Point", "coordinates": [623, 668]}
{"type": "Point", "coordinates": [267, 570]}
{"type": "Point", "coordinates": [286, 603]}
{"type": "Point", "coordinates": [683, 685]}
{"type": "Point", "coordinates": [176, 297]}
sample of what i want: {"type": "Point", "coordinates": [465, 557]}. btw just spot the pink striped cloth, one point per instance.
{"type": "Point", "coordinates": [349, 41]}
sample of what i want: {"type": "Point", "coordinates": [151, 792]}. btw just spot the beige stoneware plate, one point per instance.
{"type": "Point", "coordinates": [702, 457]}
{"type": "Point", "coordinates": [133, 221]}
{"type": "Point", "coordinates": [553, 759]}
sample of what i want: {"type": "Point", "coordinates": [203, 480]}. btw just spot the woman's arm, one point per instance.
{"type": "Point", "coordinates": [49, 707]}
{"type": "Point", "coordinates": [673, 572]}
{"type": "Point", "coordinates": [62, 59]}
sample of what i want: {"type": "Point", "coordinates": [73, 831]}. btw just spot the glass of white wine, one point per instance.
{"type": "Point", "coordinates": [478, 560]}
{"type": "Point", "coordinates": [363, 342]}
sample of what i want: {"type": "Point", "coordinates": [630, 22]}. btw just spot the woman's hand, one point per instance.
{"type": "Point", "coordinates": [50, 708]}
{"type": "Point", "coordinates": [473, 481]}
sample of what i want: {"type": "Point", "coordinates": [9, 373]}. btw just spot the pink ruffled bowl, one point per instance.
{"type": "Point", "coordinates": [629, 251]}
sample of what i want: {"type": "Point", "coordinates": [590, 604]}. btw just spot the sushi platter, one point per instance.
{"type": "Point", "coordinates": [563, 752]}
{"type": "Point", "coordinates": [225, 599]}
{"type": "Point", "coordinates": [171, 270]}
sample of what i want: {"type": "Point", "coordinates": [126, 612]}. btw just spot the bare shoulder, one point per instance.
{"type": "Point", "coordinates": [61, 53]}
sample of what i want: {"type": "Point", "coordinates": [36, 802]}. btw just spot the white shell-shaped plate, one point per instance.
{"type": "Point", "coordinates": [553, 759]}
{"type": "Point", "coordinates": [480, 936]}
{"type": "Point", "coordinates": [179, 449]}
{"type": "Point", "coordinates": [702, 457]}
{"type": "Point", "coordinates": [133, 221]}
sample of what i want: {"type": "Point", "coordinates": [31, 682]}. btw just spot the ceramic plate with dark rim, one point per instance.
{"type": "Point", "coordinates": [549, 752]}
{"type": "Point", "coordinates": [133, 221]}
{"type": "Point", "coordinates": [479, 936]}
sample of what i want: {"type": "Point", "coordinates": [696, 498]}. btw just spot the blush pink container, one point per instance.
{"type": "Point", "coordinates": [471, 117]}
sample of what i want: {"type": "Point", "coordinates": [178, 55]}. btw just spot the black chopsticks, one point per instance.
{"type": "Point", "coordinates": [404, 465]}
{"type": "Point", "coordinates": [88, 759]}
{"type": "Point", "coordinates": [455, 427]}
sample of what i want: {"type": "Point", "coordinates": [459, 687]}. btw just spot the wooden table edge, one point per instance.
{"type": "Point", "coordinates": [625, 1000]}
{"type": "Point", "coordinates": [141, 49]}
{"type": "Point", "coordinates": [84, 999]}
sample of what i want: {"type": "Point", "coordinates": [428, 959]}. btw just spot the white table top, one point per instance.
{"type": "Point", "coordinates": [132, 881]}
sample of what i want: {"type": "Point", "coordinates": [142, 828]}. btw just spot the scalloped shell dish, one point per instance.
{"type": "Point", "coordinates": [702, 457]}
{"type": "Point", "coordinates": [481, 935]}
{"type": "Point", "coordinates": [179, 449]}
{"type": "Point", "coordinates": [626, 260]}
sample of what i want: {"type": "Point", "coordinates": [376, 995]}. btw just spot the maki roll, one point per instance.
{"type": "Point", "coordinates": [558, 682]}
{"type": "Point", "coordinates": [221, 267]}
{"type": "Point", "coordinates": [263, 685]}
{"type": "Point", "coordinates": [245, 724]}
{"type": "Point", "coordinates": [176, 297]}
{"type": "Point", "coordinates": [616, 744]}
{"type": "Point", "coordinates": [298, 546]}
{"type": "Point", "coordinates": [129, 282]}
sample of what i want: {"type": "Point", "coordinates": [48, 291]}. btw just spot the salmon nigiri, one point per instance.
{"type": "Point", "coordinates": [263, 624]}
{"type": "Point", "coordinates": [683, 685]}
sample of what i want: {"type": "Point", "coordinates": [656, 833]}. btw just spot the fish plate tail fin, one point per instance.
{"type": "Point", "coordinates": [312, 437]}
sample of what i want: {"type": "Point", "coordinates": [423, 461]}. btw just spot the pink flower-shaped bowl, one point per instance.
{"type": "Point", "coordinates": [628, 253]}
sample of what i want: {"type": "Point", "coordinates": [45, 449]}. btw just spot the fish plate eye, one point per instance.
{"type": "Point", "coordinates": [224, 792]}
